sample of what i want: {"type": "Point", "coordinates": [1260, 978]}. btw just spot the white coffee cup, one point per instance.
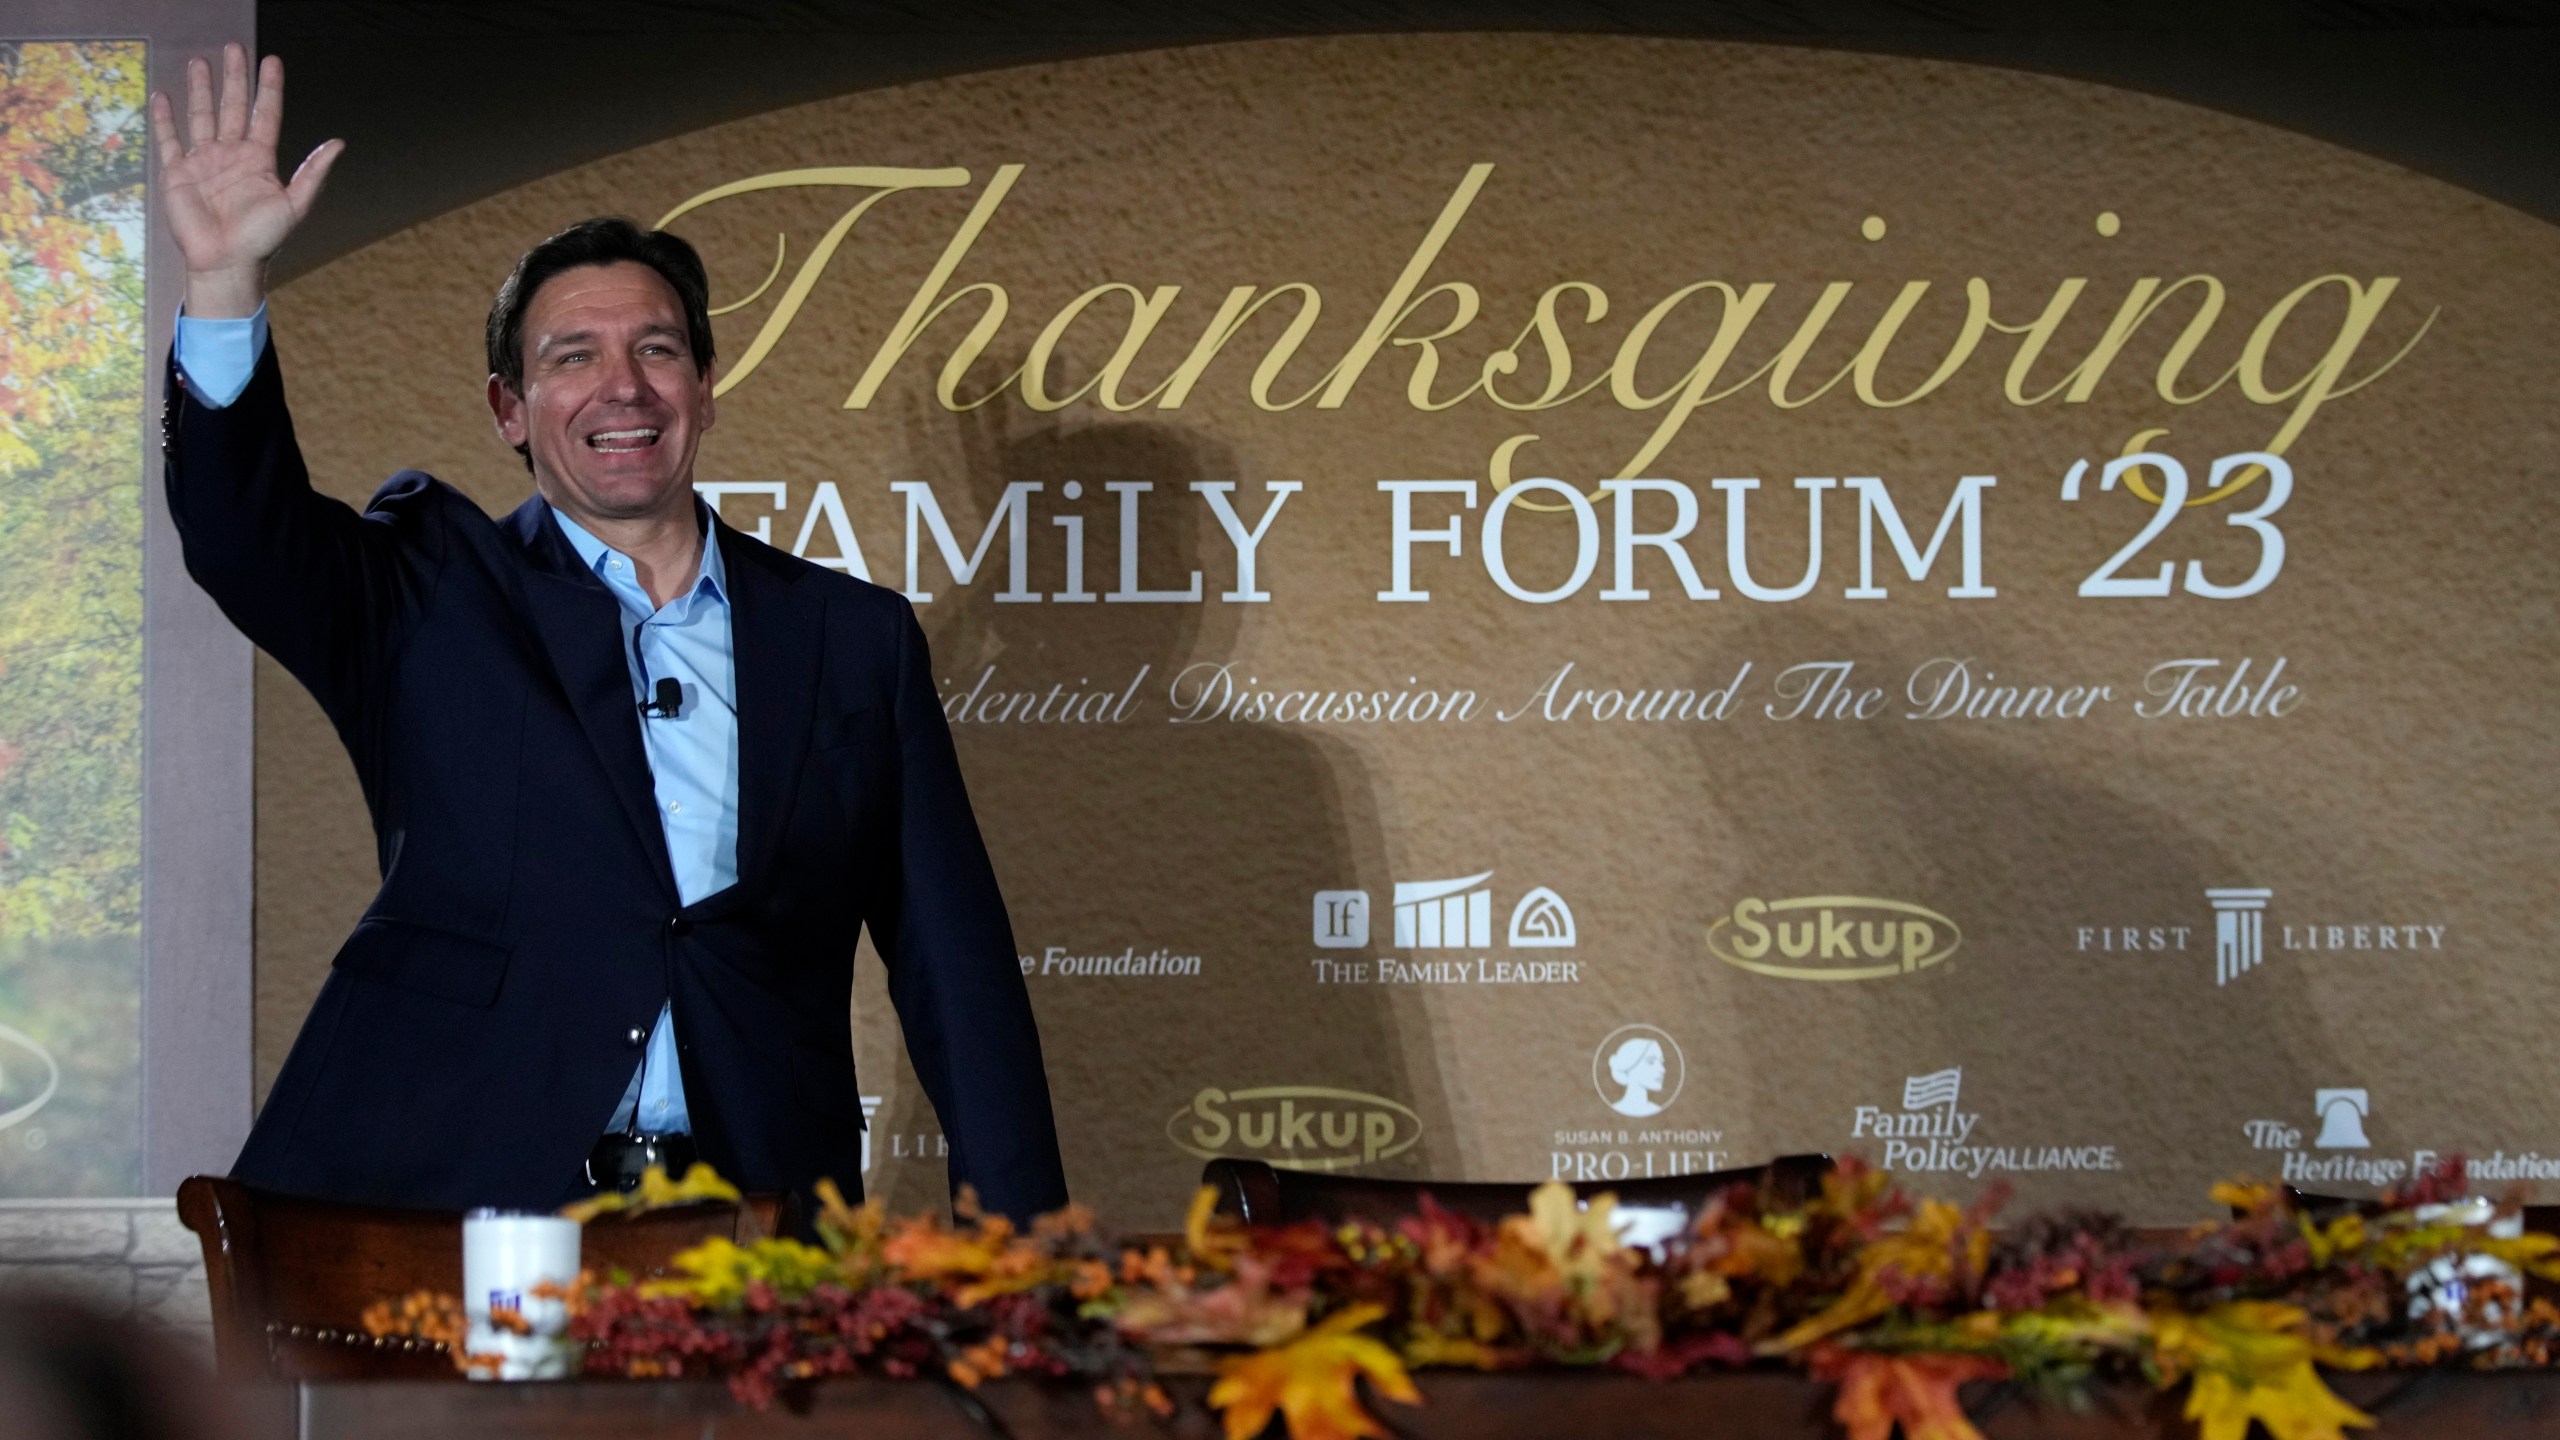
{"type": "Point", "coordinates": [505, 1256]}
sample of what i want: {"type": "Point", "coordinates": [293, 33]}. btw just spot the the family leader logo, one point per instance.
{"type": "Point", "coordinates": [1832, 937]}
{"type": "Point", "coordinates": [1446, 915]}
{"type": "Point", "coordinates": [1301, 1127]}
{"type": "Point", "coordinates": [1638, 1071]}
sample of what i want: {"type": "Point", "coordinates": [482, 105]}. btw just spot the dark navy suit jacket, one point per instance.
{"type": "Point", "coordinates": [475, 1031]}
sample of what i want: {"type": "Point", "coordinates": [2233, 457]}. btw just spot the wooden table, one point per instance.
{"type": "Point", "coordinates": [1540, 1406]}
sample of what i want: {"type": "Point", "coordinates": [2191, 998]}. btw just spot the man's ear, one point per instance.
{"type": "Point", "coordinates": [507, 407]}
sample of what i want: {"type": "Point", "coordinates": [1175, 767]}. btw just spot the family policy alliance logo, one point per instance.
{"type": "Point", "coordinates": [1933, 1134]}
{"type": "Point", "coordinates": [1445, 915]}
{"type": "Point", "coordinates": [1301, 1127]}
{"type": "Point", "coordinates": [21, 1061]}
{"type": "Point", "coordinates": [1832, 937]}
{"type": "Point", "coordinates": [2240, 939]}
{"type": "Point", "coordinates": [2342, 1116]}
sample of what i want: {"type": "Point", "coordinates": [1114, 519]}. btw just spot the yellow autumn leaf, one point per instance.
{"type": "Point", "coordinates": [2344, 1235]}
{"type": "Point", "coordinates": [657, 1192]}
{"type": "Point", "coordinates": [1313, 1382]}
{"type": "Point", "coordinates": [2244, 1196]}
{"type": "Point", "coordinates": [1578, 1240]}
{"type": "Point", "coordinates": [2533, 1252]}
{"type": "Point", "coordinates": [1211, 1244]}
{"type": "Point", "coordinates": [1926, 1250]}
{"type": "Point", "coordinates": [717, 1272]}
{"type": "Point", "coordinates": [849, 1229]}
{"type": "Point", "coordinates": [2251, 1360]}
{"type": "Point", "coordinates": [2297, 1408]}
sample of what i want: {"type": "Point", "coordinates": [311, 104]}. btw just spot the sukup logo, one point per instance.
{"type": "Point", "coordinates": [1832, 937]}
{"type": "Point", "coordinates": [1300, 1127]}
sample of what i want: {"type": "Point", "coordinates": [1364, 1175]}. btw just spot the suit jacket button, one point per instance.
{"type": "Point", "coordinates": [635, 1037]}
{"type": "Point", "coordinates": [679, 926]}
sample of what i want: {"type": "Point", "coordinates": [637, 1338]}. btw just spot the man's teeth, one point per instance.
{"type": "Point", "coordinates": [622, 441]}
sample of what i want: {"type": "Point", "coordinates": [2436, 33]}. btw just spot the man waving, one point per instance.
{"type": "Point", "coordinates": [637, 780]}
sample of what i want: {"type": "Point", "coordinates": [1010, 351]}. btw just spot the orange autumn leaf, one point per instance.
{"type": "Point", "coordinates": [1917, 1392]}
{"type": "Point", "coordinates": [1313, 1382]}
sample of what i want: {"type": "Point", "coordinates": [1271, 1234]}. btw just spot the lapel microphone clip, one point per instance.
{"type": "Point", "coordinates": [670, 699]}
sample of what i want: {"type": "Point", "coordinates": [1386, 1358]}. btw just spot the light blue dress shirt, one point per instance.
{"type": "Point", "coordinates": [693, 757]}
{"type": "Point", "coordinates": [217, 357]}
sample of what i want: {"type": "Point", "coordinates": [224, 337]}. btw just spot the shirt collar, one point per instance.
{"type": "Point", "coordinates": [714, 574]}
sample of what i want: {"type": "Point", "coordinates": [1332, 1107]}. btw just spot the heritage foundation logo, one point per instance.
{"type": "Point", "coordinates": [2343, 1117]}
{"type": "Point", "coordinates": [1932, 1134]}
{"type": "Point", "coordinates": [1128, 962]}
{"type": "Point", "coordinates": [1433, 917]}
{"type": "Point", "coordinates": [1636, 1071]}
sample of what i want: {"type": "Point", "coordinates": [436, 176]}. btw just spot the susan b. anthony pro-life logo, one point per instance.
{"type": "Point", "coordinates": [1638, 1074]}
{"type": "Point", "coordinates": [1635, 1065]}
{"type": "Point", "coordinates": [1441, 929]}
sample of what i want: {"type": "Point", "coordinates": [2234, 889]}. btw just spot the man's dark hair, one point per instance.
{"type": "Point", "coordinates": [605, 240]}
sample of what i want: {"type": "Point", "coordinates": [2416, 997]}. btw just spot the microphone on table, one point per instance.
{"type": "Point", "coordinates": [670, 699]}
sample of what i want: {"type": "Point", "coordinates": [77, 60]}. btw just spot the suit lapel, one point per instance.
{"type": "Point", "coordinates": [580, 627]}
{"type": "Point", "coordinates": [776, 630]}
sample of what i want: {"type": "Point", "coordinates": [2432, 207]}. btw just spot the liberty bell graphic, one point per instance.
{"type": "Point", "coordinates": [2342, 1115]}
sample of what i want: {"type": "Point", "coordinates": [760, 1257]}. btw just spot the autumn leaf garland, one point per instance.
{"type": "Point", "coordinates": [1898, 1306]}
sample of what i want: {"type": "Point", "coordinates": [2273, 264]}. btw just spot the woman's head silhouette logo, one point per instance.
{"type": "Point", "coordinates": [1638, 1071]}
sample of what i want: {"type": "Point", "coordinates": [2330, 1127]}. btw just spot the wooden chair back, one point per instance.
{"type": "Point", "coordinates": [1262, 1194]}
{"type": "Point", "coordinates": [291, 1277]}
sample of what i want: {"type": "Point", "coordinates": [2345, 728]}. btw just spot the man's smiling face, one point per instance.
{"type": "Point", "coordinates": [614, 403]}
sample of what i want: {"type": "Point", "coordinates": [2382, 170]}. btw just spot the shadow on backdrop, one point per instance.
{"type": "Point", "coordinates": [1139, 835]}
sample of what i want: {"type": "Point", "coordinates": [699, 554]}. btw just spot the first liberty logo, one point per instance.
{"type": "Point", "coordinates": [2242, 936]}
{"type": "Point", "coordinates": [2239, 931]}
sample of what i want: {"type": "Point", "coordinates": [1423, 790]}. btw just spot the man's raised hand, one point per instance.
{"type": "Point", "coordinates": [219, 189]}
